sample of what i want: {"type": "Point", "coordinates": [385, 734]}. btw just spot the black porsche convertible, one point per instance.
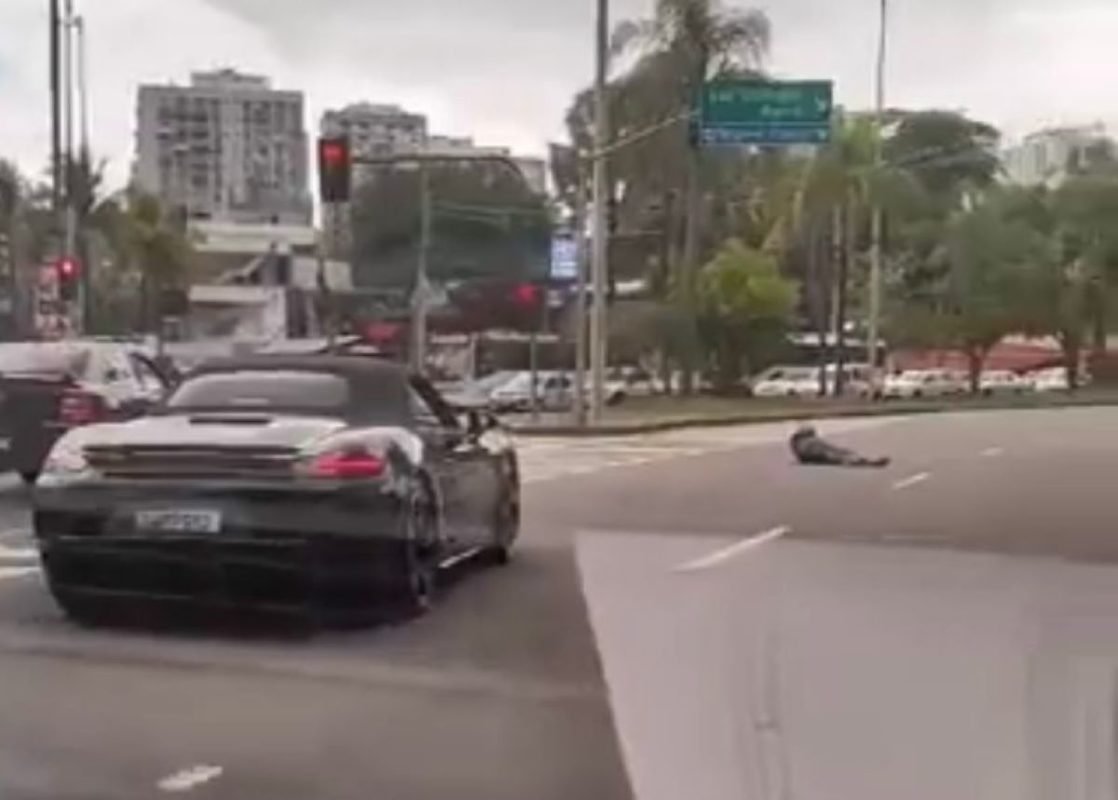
{"type": "Point", "coordinates": [317, 485]}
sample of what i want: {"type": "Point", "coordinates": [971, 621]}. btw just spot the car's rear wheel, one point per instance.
{"type": "Point", "coordinates": [506, 527]}
{"type": "Point", "coordinates": [419, 581]}
{"type": "Point", "coordinates": [29, 476]}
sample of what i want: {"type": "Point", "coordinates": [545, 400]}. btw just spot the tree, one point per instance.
{"type": "Point", "coordinates": [1085, 208]}
{"type": "Point", "coordinates": [744, 306]}
{"type": "Point", "coordinates": [684, 43]}
{"type": "Point", "coordinates": [946, 152]}
{"type": "Point", "coordinates": [486, 224]}
{"type": "Point", "coordinates": [983, 295]}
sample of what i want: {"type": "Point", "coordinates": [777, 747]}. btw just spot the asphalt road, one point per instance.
{"type": "Point", "coordinates": [498, 693]}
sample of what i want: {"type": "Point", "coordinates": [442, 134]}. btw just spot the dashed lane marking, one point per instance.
{"type": "Point", "coordinates": [912, 480]}
{"type": "Point", "coordinates": [187, 779]}
{"type": "Point", "coordinates": [992, 452]}
{"type": "Point", "coordinates": [733, 551]}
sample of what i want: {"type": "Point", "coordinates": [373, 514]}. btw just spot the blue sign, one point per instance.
{"type": "Point", "coordinates": [564, 258]}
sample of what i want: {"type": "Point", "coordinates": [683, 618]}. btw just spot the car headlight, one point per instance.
{"type": "Point", "coordinates": [67, 459]}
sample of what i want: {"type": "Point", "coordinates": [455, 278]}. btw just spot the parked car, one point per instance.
{"type": "Point", "coordinates": [914, 384]}
{"type": "Point", "coordinates": [787, 381]}
{"type": "Point", "coordinates": [634, 381]}
{"type": "Point", "coordinates": [47, 388]}
{"type": "Point", "coordinates": [1003, 381]}
{"type": "Point", "coordinates": [1054, 379]}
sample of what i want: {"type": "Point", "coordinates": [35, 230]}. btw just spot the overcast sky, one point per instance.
{"type": "Point", "coordinates": [503, 71]}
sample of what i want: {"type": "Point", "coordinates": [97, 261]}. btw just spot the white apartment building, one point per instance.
{"type": "Point", "coordinates": [228, 147]}
{"type": "Point", "coordinates": [1043, 157]}
{"type": "Point", "coordinates": [375, 129]}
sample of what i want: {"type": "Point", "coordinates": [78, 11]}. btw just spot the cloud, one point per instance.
{"type": "Point", "coordinates": [505, 70]}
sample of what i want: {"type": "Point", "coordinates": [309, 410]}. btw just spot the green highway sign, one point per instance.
{"type": "Point", "coordinates": [765, 112]}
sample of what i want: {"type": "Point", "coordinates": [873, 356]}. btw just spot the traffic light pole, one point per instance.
{"type": "Point", "coordinates": [598, 323]}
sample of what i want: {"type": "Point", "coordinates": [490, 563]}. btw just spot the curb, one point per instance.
{"type": "Point", "coordinates": [793, 415]}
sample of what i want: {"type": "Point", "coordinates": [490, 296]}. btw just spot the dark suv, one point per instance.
{"type": "Point", "coordinates": [46, 388]}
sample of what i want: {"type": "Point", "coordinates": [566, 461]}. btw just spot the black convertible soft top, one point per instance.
{"type": "Point", "coordinates": [378, 388]}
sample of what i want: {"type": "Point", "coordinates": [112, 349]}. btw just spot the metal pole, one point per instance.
{"type": "Point", "coordinates": [580, 301]}
{"type": "Point", "coordinates": [534, 373]}
{"type": "Point", "coordinates": [419, 296]}
{"type": "Point", "coordinates": [598, 322]}
{"type": "Point", "coordinates": [873, 332]}
{"type": "Point", "coordinates": [85, 276]}
{"type": "Point", "coordinates": [70, 217]}
{"type": "Point", "coordinates": [55, 106]}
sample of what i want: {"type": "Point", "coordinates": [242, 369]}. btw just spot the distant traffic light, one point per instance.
{"type": "Point", "coordinates": [334, 167]}
{"type": "Point", "coordinates": [68, 273]}
{"type": "Point", "coordinates": [526, 295]}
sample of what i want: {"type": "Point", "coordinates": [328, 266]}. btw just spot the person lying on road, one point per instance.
{"type": "Point", "coordinates": [810, 448]}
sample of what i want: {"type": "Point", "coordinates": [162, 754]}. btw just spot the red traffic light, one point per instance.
{"type": "Point", "coordinates": [334, 153]}
{"type": "Point", "coordinates": [67, 268]}
{"type": "Point", "coordinates": [525, 294]}
{"type": "Point", "coordinates": [334, 160]}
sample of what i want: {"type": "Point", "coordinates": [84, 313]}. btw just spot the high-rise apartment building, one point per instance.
{"type": "Point", "coordinates": [227, 147]}
{"type": "Point", "coordinates": [375, 130]}
{"type": "Point", "coordinates": [1048, 156]}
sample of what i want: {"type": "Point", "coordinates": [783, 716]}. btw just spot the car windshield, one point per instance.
{"type": "Point", "coordinates": [259, 390]}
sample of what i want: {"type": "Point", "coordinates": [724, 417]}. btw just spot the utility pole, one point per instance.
{"type": "Point", "coordinates": [873, 332]}
{"type": "Point", "coordinates": [56, 105]}
{"type": "Point", "coordinates": [599, 330]}
{"type": "Point", "coordinates": [419, 295]}
{"type": "Point", "coordinates": [580, 299]}
{"type": "Point", "coordinates": [85, 276]}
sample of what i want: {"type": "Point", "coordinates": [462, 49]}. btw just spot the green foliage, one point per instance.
{"type": "Point", "coordinates": [486, 223]}
{"type": "Point", "coordinates": [744, 307]}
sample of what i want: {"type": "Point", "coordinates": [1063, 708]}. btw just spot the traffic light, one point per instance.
{"type": "Point", "coordinates": [68, 273]}
{"type": "Point", "coordinates": [334, 167]}
{"type": "Point", "coordinates": [612, 216]}
{"type": "Point", "coordinates": [527, 306]}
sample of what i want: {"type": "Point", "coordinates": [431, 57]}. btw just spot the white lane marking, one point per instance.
{"type": "Point", "coordinates": [912, 480]}
{"type": "Point", "coordinates": [17, 572]}
{"type": "Point", "coordinates": [465, 555]}
{"type": "Point", "coordinates": [992, 452]}
{"type": "Point", "coordinates": [18, 553]}
{"type": "Point", "coordinates": [186, 779]}
{"type": "Point", "coordinates": [732, 551]}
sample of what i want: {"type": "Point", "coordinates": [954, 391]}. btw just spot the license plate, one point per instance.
{"type": "Point", "coordinates": [178, 521]}
{"type": "Point", "coordinates": [5, 444]}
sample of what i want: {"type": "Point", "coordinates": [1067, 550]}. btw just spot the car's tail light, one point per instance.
{"type": "Point", "coordinates": [348, 464]}
{"type": "Point", "coordinates": [78, 407]}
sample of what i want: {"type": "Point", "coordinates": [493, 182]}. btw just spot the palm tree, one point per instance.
{"type": "Point", "coordinates": [686, 42]}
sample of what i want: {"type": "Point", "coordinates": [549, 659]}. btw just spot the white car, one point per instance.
{"type": "Point", "coordinates": [554, 392]}
{"type": "Point", "coordinates": [1002, 381]}
{"type": "Point", "coordinates": [919, 383]}
{"type": "Point", "coordinates": [1054, 380]}
{"type": "Point", "coordinates": [786, 381]}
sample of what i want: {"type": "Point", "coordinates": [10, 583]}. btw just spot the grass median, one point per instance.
{"type": "Point", "coordinates": [648, 414]}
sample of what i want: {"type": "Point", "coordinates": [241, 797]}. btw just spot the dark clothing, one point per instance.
{"type": "Point", "coordinates": [813, 450]}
